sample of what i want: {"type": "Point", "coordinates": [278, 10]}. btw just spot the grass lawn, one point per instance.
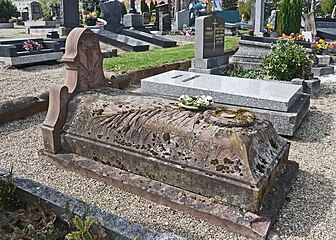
{"type": "Point", "coordinates": [158, 56]}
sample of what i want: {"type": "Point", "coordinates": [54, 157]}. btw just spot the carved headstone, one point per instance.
{"type": "Point", "coordinates": [83, 61]}
{"type": "Point", "coordinates": [209, 41]}
{"type": "Point", "coordinates": [35, 11]}
{"type": "Point", "coordinates": [209, 45]}
{"type": "Point", "coordinates": [221, 164]}
{"type": "Point", "coordinates": [111, 11]}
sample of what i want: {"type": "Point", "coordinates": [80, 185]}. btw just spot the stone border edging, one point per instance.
{"type": "Point", "coordinates": [117, 227]}
{"type": "Point", "coordinates": [23, 107]}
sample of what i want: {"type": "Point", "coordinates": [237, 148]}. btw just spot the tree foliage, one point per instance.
{"type": "Point", "coordinates": [45, 5]}
{"type": "Point", "coordinates": [327, 6]}
{"type": "Point", "coordinates": [245, 7]}
{"type": "Point", "coordinates": [151, 6]}
{"type": "Point", "coordinates": [144, 6]}
{"type": "Point", "coordinates": [230, 4]}
{"type": "Point", "coordinates": [7, 10]}
{"type": "Point", "coordinates": [289, 17]}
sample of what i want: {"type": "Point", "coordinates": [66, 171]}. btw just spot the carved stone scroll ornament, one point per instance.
{"type": "Point", "coordinates": [83, 61]}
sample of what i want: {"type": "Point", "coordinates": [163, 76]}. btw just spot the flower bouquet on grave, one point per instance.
{"type": "Point", "coordinates": [321, 46]}
{"type": "Point", "coordinates": [195, 102]}
{"type": "Point", "coordinates": [32, 46]}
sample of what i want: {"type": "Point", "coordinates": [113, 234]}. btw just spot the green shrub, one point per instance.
{"type": "Point", "coordinates": [7, 10]}
{"type": "Point", "coordinates": [289, 17]}
{"type": "Point", "coordinates": [287, 61]}
{"type": "Point", "coordinates": [254, 74]}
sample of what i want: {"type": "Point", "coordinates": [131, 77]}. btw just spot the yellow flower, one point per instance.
{"type": "Point", "coordinates": [268, 25]}
{"type": "Point", "coordinates": [321, 41]}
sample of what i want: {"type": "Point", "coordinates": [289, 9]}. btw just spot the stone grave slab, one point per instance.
{"type": "Point", "coordinates": [150, 38]}
{"type": "Point", "coordinates": [233, 172]}
{"type": "Point", "coordinates": [263, 97]}
{"type": "Point", "coordinates": [122, 41]}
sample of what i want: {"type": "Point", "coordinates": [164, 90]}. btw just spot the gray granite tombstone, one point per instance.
{"type": "Point", "coordinates": [35, 10]}
{"type": "Point", "coordinates": [70, 13]}
{"type": "Point", "coordinates": [209, 45]}
{"type": "Point", "coordinates": [111, 11]}
{"type": "Point", "coordinates": [182, 19]}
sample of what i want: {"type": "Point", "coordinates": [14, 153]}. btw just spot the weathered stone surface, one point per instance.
{"type": "Point", "coordinates": [21, 108]}
{"type": "Point", "coordinates": [190, 150]}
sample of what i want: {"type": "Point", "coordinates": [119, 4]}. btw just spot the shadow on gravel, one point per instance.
{"type": "Point", "coordinates": [41, 66]}
{"type": "Point", "coordinates": [307, 205]}
{"type": "Point", "coordinates": [315, 126]}
{"type": "Point", "coordinates": [22, 124]}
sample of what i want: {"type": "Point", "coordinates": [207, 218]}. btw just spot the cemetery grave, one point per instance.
{"type": "Point", "coordinates": [120, 137]}
{"type": "Point", "coordinates": [85, 123]}
{"type": "Point", "coordinates": [13, 53]}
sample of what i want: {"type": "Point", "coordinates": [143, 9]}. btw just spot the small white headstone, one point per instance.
{"type": "Point", "coordinates": [308, 36]}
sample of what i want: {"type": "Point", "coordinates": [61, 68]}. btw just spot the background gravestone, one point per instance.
{"type": "Point", "coordinates": [35, 11]}
{"type": "Point", "coordinates": [209, 45]}
{"type": "Point", "coordinates": [111, 11]}
{"type": "Point", "coordinates": [182, 19]}
{"type": "Point", "coordinates": [70, 13]}
{"type": "Point", "coordinates": [209, 41]}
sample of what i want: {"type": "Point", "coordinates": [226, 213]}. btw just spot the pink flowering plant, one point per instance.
{"type": "Point", "coordinates": [30, 46]}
